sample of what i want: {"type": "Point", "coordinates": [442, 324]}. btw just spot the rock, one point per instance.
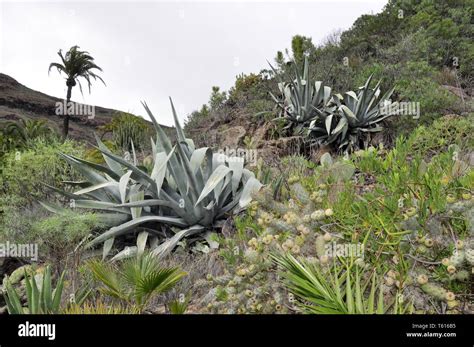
{"type": "Point", "coordinates": [210, 297]}
{"type": "Point", "coordinates": [260, 136]}
{"type": "Point", "coordinates": [319, 152]}
{"type": "Point", "coordinates": [17, 275]}
{"type": "Point", "coordinates": [232, 137]}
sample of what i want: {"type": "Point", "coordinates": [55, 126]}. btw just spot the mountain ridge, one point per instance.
{"type": "Point", "coordinates": [17, 101]}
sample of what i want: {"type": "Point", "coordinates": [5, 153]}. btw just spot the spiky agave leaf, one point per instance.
{"type": "Point", "coordinates": [302, 101]}
{"type": "Point", "coordinates": [350, 117]}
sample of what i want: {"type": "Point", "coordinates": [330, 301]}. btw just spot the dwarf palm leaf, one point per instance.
{"type": "Point", "coordinates": [333, 292]}
{"type": "Point", "coordinates": [135, 281]}
{"type": "Point", "coordinates": [75, 64]}
{"type": "Point", "coordinates": [23, 131]}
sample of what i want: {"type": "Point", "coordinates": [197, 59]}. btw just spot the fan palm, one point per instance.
{"type": "Point", "coordinates": [135, 280]}
{"type": "Point", "coordinates": [75, 64]}
{"type": "Point", "coordinates": [23, 131]}
{"type": "Point", "coordinates": [330, 293]}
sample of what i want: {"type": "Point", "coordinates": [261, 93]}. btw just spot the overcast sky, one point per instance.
{"type": "Point", "coordinates": [155, 49]}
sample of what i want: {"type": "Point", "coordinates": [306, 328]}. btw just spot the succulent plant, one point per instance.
{"type": "Point", "coordinates": [347, 118]}
{"type": "Point", "coordinates": [301, 100]}
{"type": "Point", "coordinates": [188, 188]}
{"type": "Point", "coordinates": [42, 297]}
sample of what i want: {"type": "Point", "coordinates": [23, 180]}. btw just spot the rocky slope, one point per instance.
{"type": "Point", "coordinates": [18, 101]}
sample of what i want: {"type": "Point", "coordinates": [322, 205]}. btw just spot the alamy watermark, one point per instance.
{"type": "Point", "coordinates": [19, 250]}
{"type": "Point", "coordinates": [400, 108]}
{"type": "Point", "coordinates": [71, 108]}
{"type": "Point", "coordinates": [248, 156]}
{"type": "Point", "coordinates": [345, 250]}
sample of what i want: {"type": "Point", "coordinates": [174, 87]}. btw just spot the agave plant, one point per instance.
{"type": "Point", "coordinates": [301, 100]}
{"type": "Point", "coordinates": [190, 189]}
{"type": "Point", "coordinates": [43, 299]}
{"type": "Point", "coordinates": [350, 117]}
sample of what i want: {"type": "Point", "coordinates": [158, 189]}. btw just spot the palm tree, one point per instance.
{"type": "Point", "coordinates": [75, 64]}
{"type": "Point", "coordinates": [136, 280]}
{"type": "Point", "coordinates": [23, 131]}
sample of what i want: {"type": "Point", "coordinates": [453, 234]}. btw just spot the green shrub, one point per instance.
{"type": "Point", "coordinates": [417, 83]}
{"type": "Point", "coordinates": [127, 128]}
{"type": "Point", "coordinates": [58, 235]}
{"type": "Point", "coordinates": [16, 220]}
{"type": "Point", "coordinates": [442, 133]}
{"type": "Point", "coordinates": [25, 171]}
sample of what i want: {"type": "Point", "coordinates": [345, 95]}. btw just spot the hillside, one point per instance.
{"type": "Point", "coordinates": [421, 48]}
{"type": "Point", "coordinates": [18, 101]}
{"type": "Point", "coordinates": [355, 195]}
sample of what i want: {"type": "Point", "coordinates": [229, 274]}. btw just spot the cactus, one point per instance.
{"type": "Point", "coordinates": [469, 255]}
{"type": "Point", "coordinates": [320, 246]}
{"type": "Point", "coordinates": [281, 226]}
{"type": "Point", "coordinates": [434, 290]}
{"type": "Point", "coordinates": [300, 193]}
{"type": "Point", "coordinates": [462, 276]}
{"type": "Point", "coordinates": [457, 258]}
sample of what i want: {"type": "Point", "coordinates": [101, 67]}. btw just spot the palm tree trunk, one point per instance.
{"type": "Point", "coordinates": [66, 114]}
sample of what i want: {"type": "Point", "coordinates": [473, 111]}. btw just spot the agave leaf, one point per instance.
{"type": "Point", "coordinates": [328, 123]}
{"type": "Point", "coordinates": [134, 155]}
{"type": "Point", "coordinates": [100, 205]}
{"type": "Point", "coordinates": [340, 126]}
{"type": "Point", "coordinates": [159, 168]}
{"type": "Point", "coordinates": [96, 187]}
{"type": "Point", "coordinates": [166, 247]}
{"type": "Point", "coordinates": [88, 164]}
{"type": "Point", "coordinates": [348, 113]}
{"type": "Point", "coordinates": [108, 244]}
{"type": "Point", "coordinates": [112, 164]}
{"type": "Point", "coordinates": [123, 183]}
{"type": "Point", "coordinates": [179, 130]}
{"type": "Point", "coordinates": [237, 167]}
{"type": "Point", "coordinates": [46, 290]}
{"type": "Point", "coordinates": [141, 242]}
{"type": "Point", "coordinates": [193, 187]}
{"type": "Point", "coordinates": [57, 293]}
{"type": "Point", "coordinates": [217, 176]}
{"type": "Point", "coordinates": [91, 175]}
{"type": "Point", "coordinates": [63, 192]}
{"type": "Point", "coordinates": [130, 225]}
{"type": "Point", "coordinates": [251, 186]}
{"type": "Point", "coordinates": [136, 211]}
{"type": "Point", "coordinates": [52, 208]}
{"type": "Point", "coordinates": [137, 174]}
{"type": "Point", "coordinates": [127, 252]}
{"type": "Point", "coordinates": [197, 158]}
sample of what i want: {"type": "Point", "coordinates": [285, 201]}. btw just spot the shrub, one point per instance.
{"type": "Point", "coordinates": [59, 235]}
{"type": "Point", "coordinates": [26, 171]}
{"type": "Point", "coordinates": [126, 129]}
